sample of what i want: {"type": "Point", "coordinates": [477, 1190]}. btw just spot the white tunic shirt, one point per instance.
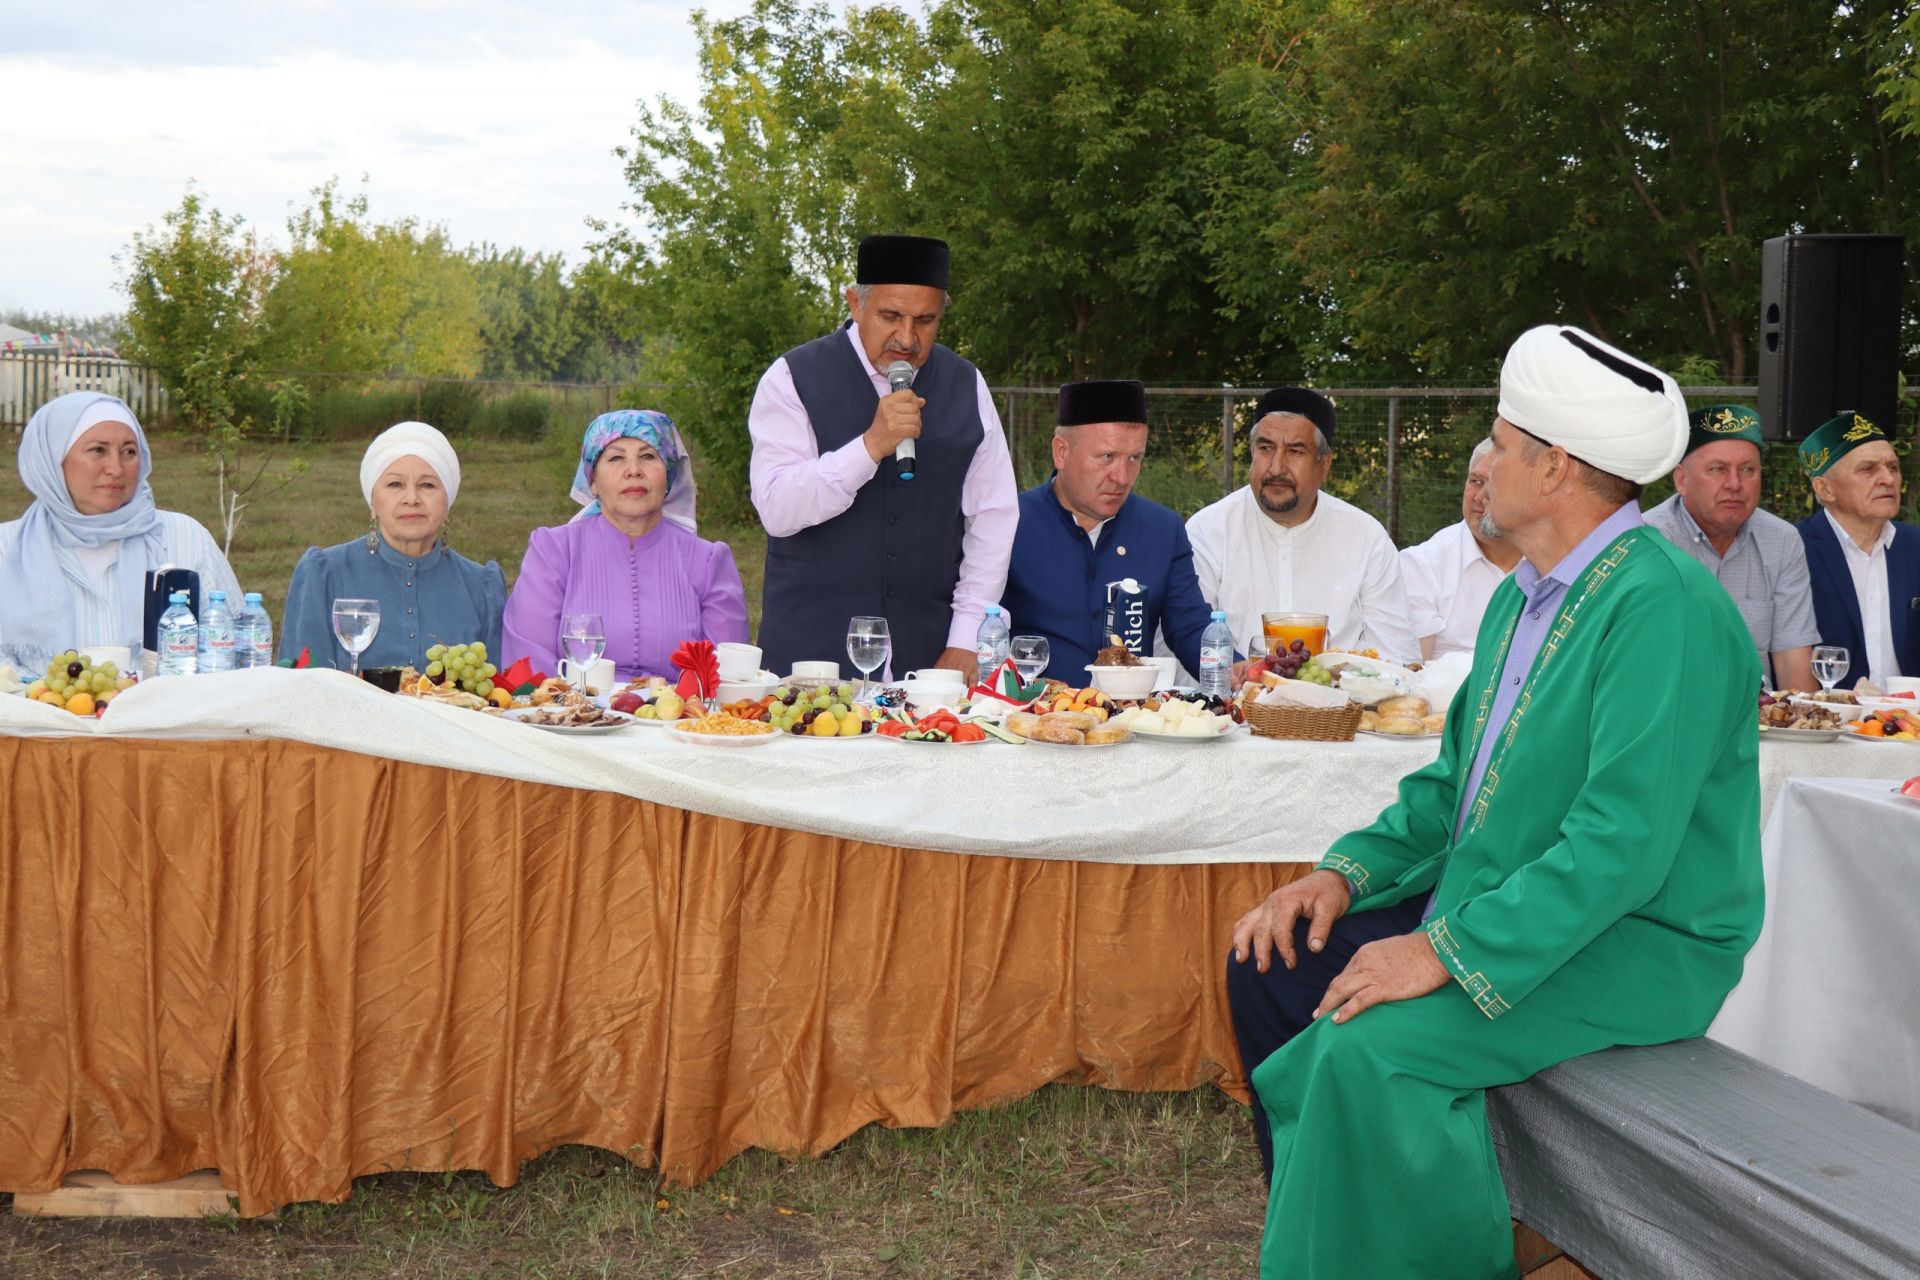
{"type": "Point", "coordinates": [1449, 581]}
{"type": "Point", "coordinates": [1339, 562]}
{"type": "Point", "coordinates": [1869, 570]}
{"type": "Point", "coordinates": [88, 576]}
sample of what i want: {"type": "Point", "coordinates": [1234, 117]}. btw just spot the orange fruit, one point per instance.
{"type": "Point", "coordinates": [81, 704]}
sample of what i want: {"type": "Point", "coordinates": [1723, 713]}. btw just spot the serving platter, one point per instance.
{"type": "Point", "coordinates": [609, 722]}
{"type": "Point", "coordinates": [1800, 735]}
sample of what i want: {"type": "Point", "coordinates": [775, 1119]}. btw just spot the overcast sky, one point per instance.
{"type": "Point", "coordinates": [497, 120]}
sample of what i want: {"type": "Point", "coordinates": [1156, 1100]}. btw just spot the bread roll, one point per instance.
{"type": "Point", "coordinates": [1072, 719]}
{"type": "Point", "coordinates": [1106, 733]}
{"type": "Point", "coordinates": [1369, 720]}
{"type": "Point", "coordinates": [1436, 722]}
{"type": "Point", "coordinates": [1021, 722]}
{"type": "Point", "coordinates": [1405, 726]}
{"type": "Point", "coordinates": [1404, 705]}
{"type": "Point", "coordinates": [1056, 732]}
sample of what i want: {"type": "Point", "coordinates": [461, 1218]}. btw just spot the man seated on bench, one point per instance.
{"type": "Point", "coordinates": [1583, 859]}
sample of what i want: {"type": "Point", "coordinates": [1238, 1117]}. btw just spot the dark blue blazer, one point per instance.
{"type": "Point", "coordinates": [1057, 581]}
{"type": "Point", "coordinates": [1836, 608]}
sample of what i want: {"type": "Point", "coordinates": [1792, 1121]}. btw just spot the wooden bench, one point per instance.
{"type": "Point", "coordinates": [1691, 1159]}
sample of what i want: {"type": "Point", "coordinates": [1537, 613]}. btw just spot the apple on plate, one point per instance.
{"type": "Point", "coordinates": [1911, 787]}
{"type": "Point", "coordinates": [626, 702]}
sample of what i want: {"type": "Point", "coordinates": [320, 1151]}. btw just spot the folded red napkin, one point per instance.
{"type": "Point", "coordinates": [519, 678]}
{"type": "Point", "coordinates": [699, 669]}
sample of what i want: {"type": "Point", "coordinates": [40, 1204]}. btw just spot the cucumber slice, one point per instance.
{"type": "Point", "coordinates": [993, 730]}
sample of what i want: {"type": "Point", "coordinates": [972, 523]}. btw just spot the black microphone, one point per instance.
{"type": "Point", "coordinates": [900, 378]}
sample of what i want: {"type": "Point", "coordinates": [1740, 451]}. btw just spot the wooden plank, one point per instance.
{"type": "Point", "coordinates": [1538, 1258]}
{"type": "Point", "coordinates": [90, 1193]}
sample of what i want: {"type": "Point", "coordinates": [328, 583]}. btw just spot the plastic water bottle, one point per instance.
{"type": "Point", "coordinates": [253, 634]}
{"type": "Point", "coordinates": [994, 642]}
{"type": "Point", "coordinates": [1216, 658]}
{"type": "Point", "coordinates": [217, 637]}
{"type": "Point", "coordinates": [179, 638]}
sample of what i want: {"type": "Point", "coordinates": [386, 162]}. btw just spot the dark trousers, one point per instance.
{"type": "Point", "coordinates": [1272, 1008]}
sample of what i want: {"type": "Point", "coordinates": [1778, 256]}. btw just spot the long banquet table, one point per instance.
{"type": "Point", "coordinates": [284, 925]}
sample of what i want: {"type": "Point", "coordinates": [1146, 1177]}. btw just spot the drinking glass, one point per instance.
{"type": "Point", "coordinates": [584, 637]}
{"type": "Point", "coordinates": [869, 645]}
{"type": "Point", "coordinates": [1030, 656]}
{"type": "Point", "coordinates": [1829, 665]}
{"type": "Point", "coordinates": [355, 624]}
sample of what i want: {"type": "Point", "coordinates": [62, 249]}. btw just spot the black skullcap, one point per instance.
{"type": "Point", "coordinates": [903, 260]}
{"type": "Point", "coordinates": [1082, 403]}
{"type": "Point", "coordinates": [1311, 405]}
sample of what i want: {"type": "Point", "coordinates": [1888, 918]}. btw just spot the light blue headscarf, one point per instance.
{"type": "Point", "coordinates": [36, 600]}
{"type": "Point", "coordinates": [656, 429]}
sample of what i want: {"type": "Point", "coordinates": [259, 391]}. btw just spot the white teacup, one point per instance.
{"type": "Point", "coordinates": [933, 693]}
{"type": "Point", "coordinates": [594, 677]}
{"type": "Point", "coordinates": [816, 671]}
{"type": "Point", "coordinates": [937, 675]}
{"type": "Point", "coordinates": [738, 661]}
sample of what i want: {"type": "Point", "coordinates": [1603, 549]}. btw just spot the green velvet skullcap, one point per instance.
{"type": "Point", "coordinates": [1723, 422]}
{"type": "Point", "coordinates": [1834, 439]}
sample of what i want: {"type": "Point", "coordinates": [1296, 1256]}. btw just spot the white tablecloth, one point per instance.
{"type": "Point", "coordinates": [1831, 992]}
{"type": "Point", "coordinates": [1244, 799]}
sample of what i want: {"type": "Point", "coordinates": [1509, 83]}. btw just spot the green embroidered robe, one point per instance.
{"type": "Point", "coordinates": [1604, 890]}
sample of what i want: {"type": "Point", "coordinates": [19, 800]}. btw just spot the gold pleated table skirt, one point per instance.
{"type": "Point", "coordinates": [299, 966]}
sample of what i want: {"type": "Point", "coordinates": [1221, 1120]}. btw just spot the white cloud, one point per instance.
{"type": "Point", "coordinates": [498, 121]}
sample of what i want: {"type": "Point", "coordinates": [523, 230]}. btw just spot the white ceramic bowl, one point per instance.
{"type": "Point", "coordinates": [816, 671]}
{"type": "Point", "coordinates": [739, 663]}
{"type": "Point", "coordinates": [937, 675]}
{"type": "Point", "coordinates": [1169, 669]}
{"type": "Point", "coordinates": [763, 683]}
{"type": "Point", "coordinates": [1903, 684]}
{"type": "Point", "coordinates": [1846, 713]}
{"type": "Point", "coordinates": [1126, 682]}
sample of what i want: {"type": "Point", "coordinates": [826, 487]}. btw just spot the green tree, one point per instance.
{"type": "Point", "coordinates": [195, 287]}
{"type": "Point", "coordinates": [1485, 164]}
{"type": "Point", "coordinates": [745, 219]}
{"type": "Point", "coordinates": [356, 296]}
{"type": "Point", "coordinates": [196, 290]}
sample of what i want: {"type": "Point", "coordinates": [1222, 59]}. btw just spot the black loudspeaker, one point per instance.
{"type": "Point", "coordinates": [1829, 330]}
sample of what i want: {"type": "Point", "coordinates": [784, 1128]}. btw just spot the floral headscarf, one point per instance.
{"type": "Point", "coordinates": [656, 429]}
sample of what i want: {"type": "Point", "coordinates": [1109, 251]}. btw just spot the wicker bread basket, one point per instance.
{"type": "Point", "coordinates": [1312, 724]}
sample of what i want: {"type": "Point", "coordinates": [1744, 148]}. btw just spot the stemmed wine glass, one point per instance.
{"type": "Point", "coordinates": [1829, 665]}
{"type": "Point", "coordinates": [1030, 656]}
{"type": "Point", "coordinates": [355, 624]}
{"type": "Point", "coordinates": [584, 636]}
{"type": "Point", "coordinates": [869, 645]}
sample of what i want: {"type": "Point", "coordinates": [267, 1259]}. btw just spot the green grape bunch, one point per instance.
{"type": "Point", "coordinates": [464, 666]}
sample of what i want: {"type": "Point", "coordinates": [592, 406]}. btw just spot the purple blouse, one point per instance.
{"type": "Point", "coordinates": [652, 592]}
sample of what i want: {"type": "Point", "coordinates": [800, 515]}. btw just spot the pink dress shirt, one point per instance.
{"type": "Point", "coordinates": [795, 487]}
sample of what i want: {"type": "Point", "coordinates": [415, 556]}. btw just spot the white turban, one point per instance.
{"type": "Point", "coordinates": [1601, 405]}
{"type": "Point", "coordinates": [410, 440]}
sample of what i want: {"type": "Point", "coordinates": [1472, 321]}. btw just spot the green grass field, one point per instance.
{"type": "Point", "coordinates": [1072, 1182]}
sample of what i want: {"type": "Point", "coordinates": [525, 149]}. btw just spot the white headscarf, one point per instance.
{"type": "Point", "coordinates": [36, 602]}
{"type": "Point", "coordinates": [410, 440]}
{"type": "Point", "coordinates": [1601, 405]}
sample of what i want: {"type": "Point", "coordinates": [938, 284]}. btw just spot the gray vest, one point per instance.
{"type": "Point", "coordinates": [895, 553]}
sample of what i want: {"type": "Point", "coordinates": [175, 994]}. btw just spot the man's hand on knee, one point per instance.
{"type": "Point", "coordinates": [1321, 897]}
{"type": "Point", "coordinates": [1401, 968]}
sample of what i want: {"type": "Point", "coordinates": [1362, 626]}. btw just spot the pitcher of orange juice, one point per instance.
{"type": "Point", "coordinates": [1282, 629]}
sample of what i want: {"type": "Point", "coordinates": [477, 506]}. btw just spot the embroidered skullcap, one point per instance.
{"type": "Point", "coordinates": [1834, 439]}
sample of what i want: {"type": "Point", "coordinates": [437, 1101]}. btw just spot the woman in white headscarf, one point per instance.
{"type": "Point", "coordinates": [429, 594]}
{"type": "Point", "coordinates": [73, 568]}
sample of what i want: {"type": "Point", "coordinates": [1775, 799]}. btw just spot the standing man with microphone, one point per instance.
{"type": "Point", "coordinates": [881, 473]}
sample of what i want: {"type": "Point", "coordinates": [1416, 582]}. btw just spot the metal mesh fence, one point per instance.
{"type": "Point", "coordinates": [1400, 453]}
